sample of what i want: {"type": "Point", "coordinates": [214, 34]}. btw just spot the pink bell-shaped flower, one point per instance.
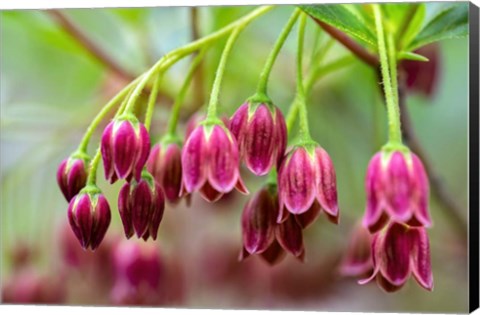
{"type": "Point", "coordinates": [210, 162]}
{"type": "Point", "coordinates": [125, 147]}
{"type": "Point", "coordinates": [261, 233]}
{"type": "Point", "coordinates": [397, 190]}
{"type": "Point", "coordinates": [89, 217]}
{"type": "Point", "coordinates": [261, 134]}
{"type": "Point", "coordinates": [398, 252]}
{"type": "Point", "coordinates": [307, 184]}
{"type": "Point", "coordinates": [141, 205]}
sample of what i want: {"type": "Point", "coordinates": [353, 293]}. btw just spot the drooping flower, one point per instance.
{"type": "Point", "coordinates": [357, 261]}
{"type": "Point", "coordinates": [89, 217]}
{"type": "Point", "coordinates": [307, 184]}
{"type": "Point", "coordinates": [72, 176]}
{"type": "Point", "coordinates": [165, 165]}
{"type": "Point", "coordinates": [261, 134]}
{"type": "Point", "coordinates": [397, 190]}
{"type": "Point", "coordinates": [141, 206]}
{"type": "Point", "coordinates": [399, 251]}
{"type": "Point", "coordinates": [261, 233]}
{"type": "Point", "coordinates": [210, 162]}
{"type": "Point", "coordinates": [125, 147]}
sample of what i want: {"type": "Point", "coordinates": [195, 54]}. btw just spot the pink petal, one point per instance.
{"type": "Point", "coordinates": [327, 183]}
{"type": "Point", "coordinates": [421, 192]}
{"type": "Point", "coordinates": [223, 170]}
{"type": "Point", "coordinates": [374, 190]}
{"type": "Point", "coordinates": [420, 259]}
{"type": "Point", "coordinates": [125, 149]}
{"type": "Point", "coordinates": [398, 188]}
{"type": "Point", "coordinates": [297, 181]}
{"type": "Point", "coordinates": [193, 161]}
{"type": "Point", "coordinates": [394, 258]}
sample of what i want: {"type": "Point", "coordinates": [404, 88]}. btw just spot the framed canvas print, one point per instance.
{"type": "Point", "coordinates": [319, 157]}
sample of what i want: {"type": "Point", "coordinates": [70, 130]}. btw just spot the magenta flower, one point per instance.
{"type": "Point", "coordinates": [397, 190]}
{"type": "Point", "coordinates": [141, 206]}
{"type": "Point", "coordinates": [89, 217]}
{"type": "Point", "coordinates": [398, 252]}
{"type": "Point", "coordinates": [357, 261]}
{"type": "Point", "coordinates": [72, 176]}
{"type": "Point", "coordinates": [210, 162]}
{"type": "Point", "coordinates": [307, 184]}
{"type": "Point", "coordinates": [261, 233]}
{"type": "Point", "coordinates": [125, 147]}
{"type": "Point", "coordinates": [165, 165]}
{"type": "Point", "coordinates": [261, 134]}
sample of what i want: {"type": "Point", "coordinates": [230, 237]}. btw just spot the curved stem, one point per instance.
{"type": "Point", "coordinates": [171, 58]}
{"type": "Point", "coordinates": [267, 69]}
{"type": "Point", "coordinates": [213, 103]}
{"type": "Point", "coordinates": [395, 136]}
{"type": "Point", "coordinates": [92, 174]}
{"type": "Point", "coordinates": [173, 121]}
{"type": "Point", "coordinates": [151, 102]}
{"type": "Point", "coordinates": [96, 121]}
{"type": "Point", "coordinates": [300, 97]}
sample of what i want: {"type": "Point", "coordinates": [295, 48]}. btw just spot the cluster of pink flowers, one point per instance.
{"type": "Point", "coordinates": [273, 220]}
{"type": "Point", "coordinates": [393, 242]}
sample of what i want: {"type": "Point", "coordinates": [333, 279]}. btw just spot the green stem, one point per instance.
{"type": "Point", "coordinates": [96, 121]}
{"type": "Point", "coordinates": [171, 58]}
{"type": "Point", "coordinates": [272, 177]}
{"type": "Point", "coordinates": [92, 174]}
{"type": "Point", "coordinates": [214, 96]}
{"type": "Point", "coordinates": [172, 124]}
{"type": "Point", "coordinates": [151, 102]}
{"type": "Point", "coordinates": [267, 69]}
{"type": "Point", "coordinates": [395, 135]}
{"type": "Point", "coordinates": [300, 97]}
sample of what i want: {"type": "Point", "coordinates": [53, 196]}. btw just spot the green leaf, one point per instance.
{"type": "Point", "coordinates": [342, 18]}
{"type": "Point", "coordinates": [450, 22]}
{"type": "Point", "coordinates": [414, 26]}
{"type": "Point", "coordinates": [411, 56]}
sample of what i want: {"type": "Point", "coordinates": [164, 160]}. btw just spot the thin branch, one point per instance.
{"type": "Point", "coordinates": [198, 84]}
{"type": "Point", "coordinates": [447, 201]}
{"type": "Point", "coordinates": [350, 44]}
{"type": "Point", "coordinates": [68, 26]}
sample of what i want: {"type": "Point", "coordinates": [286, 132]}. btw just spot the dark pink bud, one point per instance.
{"type": "Point", "coordinates": [357, 261]}
{"type": "Point", "coordinates": [125, 147]}
{"type": "Point", "coordinates": [72, 176]}
{"type": "Point", "coordinates": [261, 134]}
{"type": "Point", "coordinates": [89, 218]}
{"type": "Point", "coordinates": [259, 220]}
{"type": "Point", "coordinates": [289, 236]}
{"type": "Point", "coordinates": [210, 162]}
{"type": "Point", "coordinates": [306, 178]}
{"type": "Point", "coordinates": [397, 252]}
{"type": "Point", "coordinates": [397, 190]}
{"type": "Point", "coordinates": [165, 165]}
{"type": "Point", "coordinates": [422, 77]}
{"type": "Point", "coordinates": [141, 206]}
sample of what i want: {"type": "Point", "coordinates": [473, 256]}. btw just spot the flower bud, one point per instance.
{"type": "Point", "coordinates": [307, 184]}
{"type": "Point", "coordinates": [125, 147]}
{"type": "Point", "coordinates": [261, 134]}
{"type": "Point", "coordinates": [72, 176]}
{"type": "Point", "coordinates": [141, 206]}
{"type": "Point", "coordinates": [210, 162]}
{"type": "Point", "coordinates": [397, 190]}
{"type": "Point", "coordinates": [357, 261]}
{"type": "Point", "coordinates": [399, 251]}
{"type": "Point", "coordinates": [165, 165]}
{"type": "Point", "coordinates": [89, 218]}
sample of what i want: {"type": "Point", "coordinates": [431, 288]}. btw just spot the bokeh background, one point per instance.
{"type": "Point", "coordinates": [51, 88]}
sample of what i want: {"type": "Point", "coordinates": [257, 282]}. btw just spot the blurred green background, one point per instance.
{"type": "Point", "coordinates": [51, 88]}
